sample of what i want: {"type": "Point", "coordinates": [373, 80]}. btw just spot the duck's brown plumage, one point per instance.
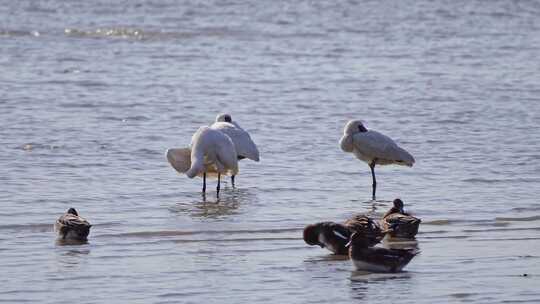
{"type": "Point", "coordinates": [377, 259]}
{"type": "Point", "coordinates": [71, 226]}
{"type": "Point", "coordinates": [399, 223]}
{"type": "Point", "coordinates": [367, 227]}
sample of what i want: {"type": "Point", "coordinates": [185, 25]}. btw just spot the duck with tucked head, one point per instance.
{"type": "Point", "coordinates": [399, 223]}
{"type": "Point", "coordinates": [367, 227]}
{"type": "Point", "coordinates": [72, 227]}
{"type": "Point", "coordinates": [330, 235]}
{"type": "Point", "coordinates": [377, 259]}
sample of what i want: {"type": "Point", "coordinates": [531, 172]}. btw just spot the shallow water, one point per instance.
{"type": "Point", "coordinates": [93, 93]}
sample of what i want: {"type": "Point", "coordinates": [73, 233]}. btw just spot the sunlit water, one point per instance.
{"type": "Point", "coordinates": [93, 93]}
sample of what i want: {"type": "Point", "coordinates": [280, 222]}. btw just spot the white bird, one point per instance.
{"type": "Point", "coordinates": [244, 145]}
{"type": "Point", "coordinates": [212, 153]}
{"type": "Point", "coordinates": [373, 148]}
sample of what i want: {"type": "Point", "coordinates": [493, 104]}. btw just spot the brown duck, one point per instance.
{"type": "Point", "coordinates": [71, 226]}
{"type": "Point", "coordinates": [366, 227]}
{"type": "Point", "coordinates": [377, 259]}
{"type": "Point", "coordinates": [399, 223]}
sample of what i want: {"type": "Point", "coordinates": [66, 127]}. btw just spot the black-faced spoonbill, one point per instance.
{"type": "Point", "coordinates": [373, 148]}
{"type": "Point", "coordinates": [212, 153]}
{"type": "Point", "coordinates": [244, 145]}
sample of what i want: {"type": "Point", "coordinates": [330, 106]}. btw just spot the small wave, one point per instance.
{"type": "Point", "coordinates": [212, 232]}
{"type": "Point", "coordinates": [143, 35]}
{"type": "Point", "coordinates": [106, 32]}
{"type": "Point", "coordinates": [506, 239]}
{"type": "Point", "coordinates": [40, 227]}
{"type": "Point", "coordinates": [501, 180]}
{"type": "Point", "coordinates": [447, 237]}
{"type": "Point", "coordinates": [237, 240]}
{"type": "Point", "coordinates": [437, 222]}
{"type": "Point", "coordinates": [19, 33]}
{"type": "Point", "coordinates": [37, 146]}
{"type": "Point", "coordinates": [519, 219]}
{"type": "Point", "coordinates": [501, 229]}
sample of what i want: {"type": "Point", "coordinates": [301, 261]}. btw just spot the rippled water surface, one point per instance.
{"type": "Point", "coordinates": [93, 93]}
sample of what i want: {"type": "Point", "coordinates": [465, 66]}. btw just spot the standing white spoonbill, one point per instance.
{"type": "Point", "coordinates": [212, 153]}
{"type": "Point", "coordinates": [244, 145]}
{"type": "Point", "coordinates": [373, 147]}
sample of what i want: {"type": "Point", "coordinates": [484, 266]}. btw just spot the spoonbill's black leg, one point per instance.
{"type": "Point", "coordinates": [372, 167]}
{"type": "Point", "coordinates": [218, 182]}
{"type": "Point", "coordinates": [204, 182]}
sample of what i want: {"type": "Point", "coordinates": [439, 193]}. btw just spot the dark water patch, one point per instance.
{"type": "Point", "coordinates": [462, 295]}
{"type": "Point", "coordinates": [181, 294]}
{"type": "Point", "coordinates": [136, 118]}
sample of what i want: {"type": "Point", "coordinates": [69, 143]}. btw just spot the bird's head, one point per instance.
{"type": "Point", "coordinates": [72, 211]}
{"type": "Point", "coordinates": [311, 234]}
{"type": "Point", "coordinates": [224, 117]}
{"type": "Point", "coordinates": [354, 126]}
{"type": "Point", "coordinates": [398, 204]}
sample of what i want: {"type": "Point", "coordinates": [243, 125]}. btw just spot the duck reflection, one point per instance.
{"type": "Point", "coordinates": [361, 281]}
{"type": "Point", "coordinates": [70, 255]}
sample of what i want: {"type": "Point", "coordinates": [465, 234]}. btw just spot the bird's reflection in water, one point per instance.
{"type": "Point", "coordinates": [228, 203]}
{"type": "Point", "coordinates": [361, 281]}
{"type": "Point", "coordinates": [376, 208]}
{"type": "Point", "coordinates": [396, 243]}
{"type": "Point", "coordinates": [67, 242]}
{"type": "Point", "coordinates": [70, 254]}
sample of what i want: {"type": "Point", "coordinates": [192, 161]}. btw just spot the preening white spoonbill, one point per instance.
{"type": "Point", "coordinates": [244, 145]}
{"type": "Point", "coordinates": [212, 153]}
{"type": "Point", "coordinates": [373, 148]}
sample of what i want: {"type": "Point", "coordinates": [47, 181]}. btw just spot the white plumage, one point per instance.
{"type": "Point", "coordinates": [211, 153]}
{"type": "Point", "coordinates": [244, 145]}
{"type": "Point", "coordinates": [373, 148]}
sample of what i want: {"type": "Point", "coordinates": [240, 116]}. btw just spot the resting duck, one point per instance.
{"type": "Point", "coordinates": [399, 223]}
{"type": "Point", "coordinates": [71, 226]}
{"type": "Point", "coordinates": [367, 227]}
{"type": "Point", "coordinates": [331, 235]}
{"type": "Point", "coordinates": [377, 259]}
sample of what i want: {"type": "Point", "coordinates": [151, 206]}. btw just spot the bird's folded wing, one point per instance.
{"type": "Point", "coordinates": [376, 145]}
{"type": "Point", "coordinates": [73, 221]}
{"type": "Point", "coordinates": [244, 145]}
